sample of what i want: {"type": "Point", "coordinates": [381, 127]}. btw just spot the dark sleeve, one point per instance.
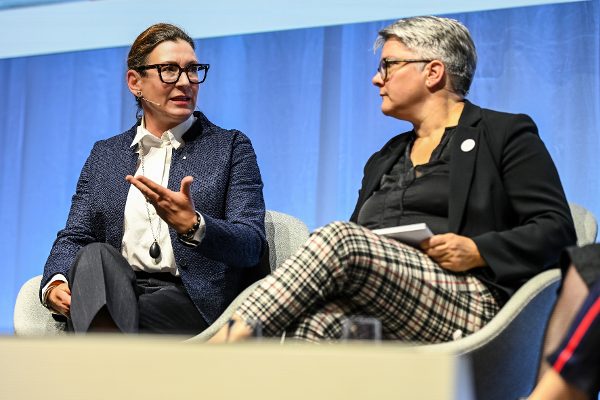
{"type": "Point", "coordinates": [577, 359]}
{"type": "Point", "coordinates": [586, 260]}
{"type": "Point", "coordinates": [242, 230]}
{"type": "Point", "coordinates": [361, 192]}
{"type": "Point", "coordinates": [542, 220]}
{"type": "Point", "coordinates": [78, 231]}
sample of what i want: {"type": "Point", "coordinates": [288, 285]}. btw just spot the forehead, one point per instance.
{"type": "Point", "coordinates": [395, 48]}
{"type": "Point", "coordinates": [178, 51]}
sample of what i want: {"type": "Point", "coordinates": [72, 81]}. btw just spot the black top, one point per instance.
{"type": "Point", "coordinates": [411, 194]}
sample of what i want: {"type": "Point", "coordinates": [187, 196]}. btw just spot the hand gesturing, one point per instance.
{"type": "Point", "coordinates": [175, 208]}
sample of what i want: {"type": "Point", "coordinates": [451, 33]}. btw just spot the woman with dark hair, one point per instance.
{"type": "Point", "coordinates": [167, 221]}
{"type": "Point", "coordinates": [483, 182]}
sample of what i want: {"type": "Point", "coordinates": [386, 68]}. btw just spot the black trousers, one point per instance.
{"type": "Point", "coordinates": [101, 280]}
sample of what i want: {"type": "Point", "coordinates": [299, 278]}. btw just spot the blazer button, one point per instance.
{"type": "Point", "coordinates": [183, 264]}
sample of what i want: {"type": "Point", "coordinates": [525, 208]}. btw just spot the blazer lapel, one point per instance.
{"type": "Point", "coordinates": [179, 157]}
{"type": "Point", "coordinates": [383, 164]}
{"type": "Point", "coordinates": [465, 147]}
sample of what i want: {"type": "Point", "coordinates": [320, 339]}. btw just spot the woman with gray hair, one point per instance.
{"type": "Point", "coordinates": [481, 180]}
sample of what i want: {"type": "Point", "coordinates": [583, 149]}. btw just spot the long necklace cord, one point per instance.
{"type": "Point", "coordinates": [154, 250]}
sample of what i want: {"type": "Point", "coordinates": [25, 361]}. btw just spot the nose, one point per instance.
{"type": "Point", "coordinates": [181, 81]}
{"type": "Point", "coordinates": [377, 80]}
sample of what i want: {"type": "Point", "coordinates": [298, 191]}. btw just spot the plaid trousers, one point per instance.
{"type": "Point", "coordinates": [345, 270]}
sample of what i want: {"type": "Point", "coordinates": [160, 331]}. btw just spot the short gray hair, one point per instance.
{"type": "Point", "coordinates": [436, 38]}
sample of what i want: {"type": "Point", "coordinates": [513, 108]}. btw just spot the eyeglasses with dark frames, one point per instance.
{"type": "Point", "coordinates": [170, 73]}
{"type": "Point", "coordinates": [385, 64]}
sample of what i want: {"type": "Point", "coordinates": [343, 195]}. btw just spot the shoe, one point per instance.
{"type": "Point", "coordinates": [254, 325]}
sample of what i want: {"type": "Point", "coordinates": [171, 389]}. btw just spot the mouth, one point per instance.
{"type": "Point", "coordinates": [181, 99]}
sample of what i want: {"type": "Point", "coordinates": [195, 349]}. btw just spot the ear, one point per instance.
{"type": "Point", "coordinates": [435, 75]}
{"type": "Point", "coordinates": [134, 82]}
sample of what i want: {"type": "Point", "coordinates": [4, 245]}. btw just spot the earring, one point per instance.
{"type": "Point", "coordinates": [139, 93]}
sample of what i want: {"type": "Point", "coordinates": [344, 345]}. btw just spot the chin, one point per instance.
{"type": "Point", "coordinates": [386, 106]}
{"type": "Point", "coordinates": [387, 111]}
{"type": "Point", "coordinates": [395, 111]}
{"type": "Point", "coordinates": [181, 114]}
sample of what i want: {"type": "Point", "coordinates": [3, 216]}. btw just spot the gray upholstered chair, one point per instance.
{"type": "Point", "coordinates": [505, 353]}
{"type": "Point", "coordinates": [30, 317]}
{"type": "Point", "coordinates": [284, 234]}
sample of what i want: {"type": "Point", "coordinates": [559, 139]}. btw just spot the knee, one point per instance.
{"type": "Point", "coordinates": [98, 257]}
{"type": "Point", "coordinates": [95, 249]}
{"type": "Point", "coordinates": [345, 238]}
{"type": "Point", "coordinates": [340, 229]}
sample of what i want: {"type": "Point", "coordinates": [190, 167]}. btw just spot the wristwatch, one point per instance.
{"type": "Point", "coordinates": [188, 236]}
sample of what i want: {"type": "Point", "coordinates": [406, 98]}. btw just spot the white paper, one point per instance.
{"type": "Point", "coordinates": [412, 234]}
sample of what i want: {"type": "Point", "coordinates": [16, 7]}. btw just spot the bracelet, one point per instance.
{"type": "Point", "coordinates": [189, 235]}
{"type": "Point", "coordinates": [47, 294]}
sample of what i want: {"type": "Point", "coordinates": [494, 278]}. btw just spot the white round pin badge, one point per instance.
{"type": "Point", "coordinates": [467, 145]}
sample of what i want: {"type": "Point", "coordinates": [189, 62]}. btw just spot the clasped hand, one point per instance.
{"type": "Point", "coordinates": [59, 299]}
{"type": "Point", "coordinates": [175, 208]}
{"type": "Point", "coordinates": [453, 252]}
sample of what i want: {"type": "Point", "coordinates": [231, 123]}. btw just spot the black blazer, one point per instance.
{"type": "Point", "coordinates": [505, 194]}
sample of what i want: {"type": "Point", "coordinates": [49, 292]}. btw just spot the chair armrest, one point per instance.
{"type": "Point", "coordinates": [511, 311]}
{"type": "Point", "coordinates": [31, 318]}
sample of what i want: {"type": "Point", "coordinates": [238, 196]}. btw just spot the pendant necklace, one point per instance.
{"type": "Point", "coordinates": [154, 250]}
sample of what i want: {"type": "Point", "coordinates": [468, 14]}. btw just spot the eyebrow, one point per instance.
{"type": "Point", "coordinates": [176, 63]}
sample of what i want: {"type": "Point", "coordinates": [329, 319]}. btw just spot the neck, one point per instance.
{"type": "Point", "coordinates": [437, 116]}
{"type": "Point", "coordinates": [157, 128]}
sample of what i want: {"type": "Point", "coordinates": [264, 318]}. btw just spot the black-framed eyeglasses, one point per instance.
{"type": "Point", "coordinates": [385, 64]}
{"type": "Point", "coordinates": [170, 73]}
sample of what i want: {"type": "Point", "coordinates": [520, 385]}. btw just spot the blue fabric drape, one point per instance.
{"type": "Point", "coordinates": [305, 99]}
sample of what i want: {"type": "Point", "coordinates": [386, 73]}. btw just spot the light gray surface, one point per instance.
{"type": "Point", "coordinates": [285, 235]}
{"type": "Point", "coordinates": [30, 317]}
{"type": "Point", "coordinates": [108, 23]}
{"type": "Point", "coordinates": [586, 225]}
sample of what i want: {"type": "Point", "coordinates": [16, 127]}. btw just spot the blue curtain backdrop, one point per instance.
{"type": "Point", "coordinates": [305, 99]}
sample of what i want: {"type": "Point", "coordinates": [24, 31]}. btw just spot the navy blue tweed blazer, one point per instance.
{"type": "Point", "coordinates": [227, 191]}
